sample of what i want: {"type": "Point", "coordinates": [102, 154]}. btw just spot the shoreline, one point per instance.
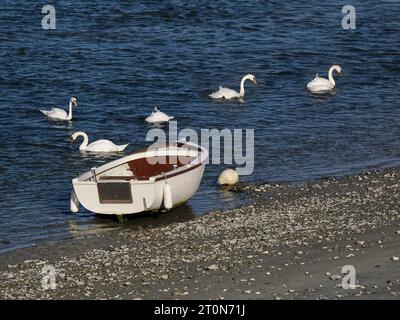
{"type": "Point", "coordinates": [287, 242]}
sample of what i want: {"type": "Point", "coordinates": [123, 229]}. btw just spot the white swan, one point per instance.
{"type": "Point", "coordinates": [157, 116]}
{"type": "Point", "coordinates": [226, 93]}
{"type": "Point", "coordinates": [324, 85]}
{"type": "Point", "coordinates": [97, 146]}
{"type": "Point", "coordinates": [60, 114]}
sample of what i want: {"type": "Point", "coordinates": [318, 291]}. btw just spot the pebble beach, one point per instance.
{"type": "Point", "coordinates": [290, 241]}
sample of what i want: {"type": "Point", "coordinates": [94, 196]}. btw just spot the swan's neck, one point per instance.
{"type": "Point", "coordinates": [70, 111]}
{"type": "Point", "coordinates": [241, 93]}
{"type": "Point", "coordinates": [330, 76]}
{"type": "Point", "coordinates": [85, 141]}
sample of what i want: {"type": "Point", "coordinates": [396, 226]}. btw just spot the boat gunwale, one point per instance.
{"type": "Point", "coordinates": [202, 156]}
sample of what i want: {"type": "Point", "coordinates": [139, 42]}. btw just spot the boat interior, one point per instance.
{"type": "Point", "coordinates": [144, 168]}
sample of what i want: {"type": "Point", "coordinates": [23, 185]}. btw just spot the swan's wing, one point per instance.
{"type": "Point", "coordinates": [160, 114]}
{"type": "Point", "coordinates": [60, 112]}
{"type": "Point", "coordinates": [319, 84]}
{"type": "Point", "coordinates": [158, 117]}
{"type": "Point", "coordinates": [102, 141]}
{"type": "Point", "coordinates": [313, 81]}
{"type": "Point", "coordinates": [229, 93]}
{"type": "Point", "coordinates": [217, 94]}
{"type": "Point", "coordinates": [224, 93]}
{"type": "Point", "coordinates": [122, 147]}
{"type": "Point", "coordinates": [149, 119]}
{"type": "Point", "coordinates": [102, 145]}
{"type": "Point", "coordinates": [56, 113]}
{"type": "Point", "coordinates": [45, 112]}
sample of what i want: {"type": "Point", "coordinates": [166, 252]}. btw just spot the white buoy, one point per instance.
{"type": "Point", "coordinates": [228, 177]}
{"type": "Point", "coordinates": [74, 203]}
{"type": "Point", "coordinates": [167, 196]}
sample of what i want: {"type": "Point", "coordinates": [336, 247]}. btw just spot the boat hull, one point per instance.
{"type": "Point", "coordinates": [129, 196]}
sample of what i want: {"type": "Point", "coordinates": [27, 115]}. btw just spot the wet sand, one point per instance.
{"type": "Point", "coordinates": [289, 242]}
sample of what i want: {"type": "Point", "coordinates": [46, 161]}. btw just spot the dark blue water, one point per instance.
{"type": "Point", "coordinates": [120, 60]}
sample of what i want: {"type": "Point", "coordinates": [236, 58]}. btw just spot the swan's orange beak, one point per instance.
{"type": "Point", "coordinates": [254, 81]}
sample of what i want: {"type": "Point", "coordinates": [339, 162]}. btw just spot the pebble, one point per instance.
{"type": "Point", "coordinates": [213, 267]}
{"type": "Point", "coordinates": [282, 217]}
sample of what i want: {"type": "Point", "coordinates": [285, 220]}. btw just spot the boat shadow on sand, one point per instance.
{"type": "Point", "coordinates": [100, 224]}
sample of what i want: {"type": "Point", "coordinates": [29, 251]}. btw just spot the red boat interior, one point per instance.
{"type": "Point", "coordinates": [144, 168]}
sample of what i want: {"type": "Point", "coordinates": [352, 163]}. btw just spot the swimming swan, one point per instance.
{"type": "Point", "coordinates": [319, 84]}
{"type": "Point", "coordinates": [157, 116]}
{"type": "Point", "coordinates": [96, 146]}
{"type": "Point", "coordinates": [60, 114]}
{"type": "Point", "coordinates": [226, 93]}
